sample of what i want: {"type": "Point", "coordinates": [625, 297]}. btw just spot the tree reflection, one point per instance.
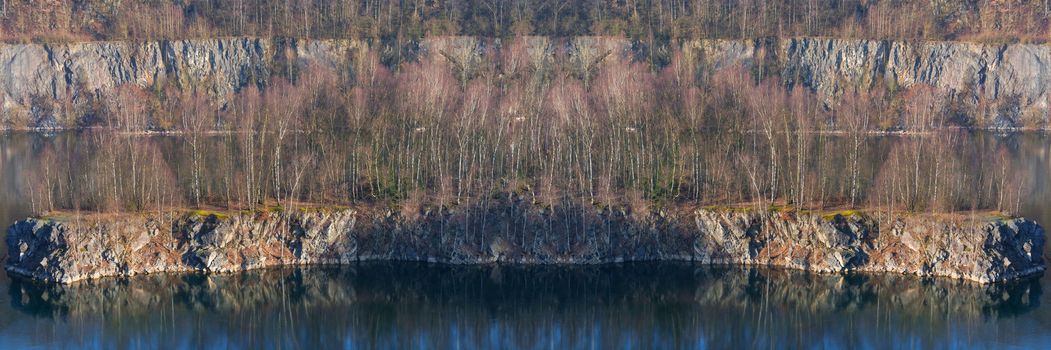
{"type": "Point", "coordinates": [409, 304]}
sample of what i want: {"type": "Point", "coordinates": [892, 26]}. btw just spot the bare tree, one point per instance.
{"type": "Point", "coordinates": [195, 117]}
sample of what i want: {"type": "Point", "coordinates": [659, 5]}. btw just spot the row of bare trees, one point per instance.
{"type": "Point", "coordinates": [531, 119]}
{"type": "Point", "coordinates": [652, 22]}
{"type": "Point", "coordinates": [942, 171]}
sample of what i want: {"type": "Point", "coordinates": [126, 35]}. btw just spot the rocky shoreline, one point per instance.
{"type": "Point", "coordinates": [976, 247]}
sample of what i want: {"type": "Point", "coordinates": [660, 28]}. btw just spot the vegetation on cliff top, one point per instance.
{"type": "Point", "coordinates": [556, 121]}
{"type": "Point", "coordinates": [572, 127]}
{"type": "Point", "coordinates": [653, 22]}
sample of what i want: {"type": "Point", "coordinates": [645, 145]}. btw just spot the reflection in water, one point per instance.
{"type": "Point", "coordinates": [409, 305]}
{"type": "Point", "coordinates": [640, 305]}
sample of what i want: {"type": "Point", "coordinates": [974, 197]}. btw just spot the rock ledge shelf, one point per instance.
{"type": "Point", "coordinates": [983, 248]}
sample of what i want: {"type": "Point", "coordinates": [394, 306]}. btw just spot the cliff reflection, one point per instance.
{"type": "Point", "coordinates": [412, 305]}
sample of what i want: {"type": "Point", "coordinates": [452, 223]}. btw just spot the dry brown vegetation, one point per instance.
{"type": "Point", "coordinates": [651, 22]}
{"type": "Point", "coordinates": [480, 123]}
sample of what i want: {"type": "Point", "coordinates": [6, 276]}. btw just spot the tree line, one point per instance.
{"type": "Point", "coordinates": [553, 124]}
{"type": "Point", "coordinates": [653, 22]}
{"type": "Point", "coordinates": [521, 71]}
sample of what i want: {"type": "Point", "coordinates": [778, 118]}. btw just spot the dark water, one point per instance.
{"type": "Point", "coordinates": [652, 305]}
{"type": "Point", "coordinates": [409, 305]}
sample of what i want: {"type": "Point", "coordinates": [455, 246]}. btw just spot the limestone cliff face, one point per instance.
{"type": "Point", "coordinates": [1013, 78]}
{"type": "Point", "coordinates": [38, 81]}
{"type": "Point", "coordinates": [978, 249]}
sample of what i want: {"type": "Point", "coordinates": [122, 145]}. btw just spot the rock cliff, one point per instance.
{"type": "Point", "coordinates": [1013, 79]}
{"type": "Point", "coordinates": [981, 249]}
{"type": "Point", "coordinates": [41, 84]}
{"type": "Point", "coordinates": [38, 81]}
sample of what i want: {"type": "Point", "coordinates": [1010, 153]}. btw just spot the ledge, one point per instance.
{"type": "Point", "coordinates": [977, 247]}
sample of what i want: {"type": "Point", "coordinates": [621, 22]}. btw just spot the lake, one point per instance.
{"type": "Point", "coordinates": [638, 305]}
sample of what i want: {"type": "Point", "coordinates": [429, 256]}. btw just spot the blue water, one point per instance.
{"type": "Point", "coordinates": [409, 305]}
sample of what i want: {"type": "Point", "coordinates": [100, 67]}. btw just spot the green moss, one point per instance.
{"type": "Point", "coordinates": [1001, 217]}
{"type": "Point", "coordinates": [323, 209]}
{"type": "Point", "coordinates": [785, 209]}
{"type": "Point", "coordinates": [729, 208]}
{"type": "Point", "coordinates": [207, 213]}
{"type": "Point", "coordinates": [845, 213]}
{"type": "Point", "coordinates": [52, 217]}
{"type": "Point", "coordinates": [277, 208]}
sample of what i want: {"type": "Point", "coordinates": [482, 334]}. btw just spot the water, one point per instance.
{"type": "Point", "coordinates": [651, 305]}
{"type": "Point", "coordinates": [646, 305]}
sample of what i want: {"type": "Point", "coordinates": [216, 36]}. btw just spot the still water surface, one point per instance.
{"type": "Point", "coordinates": [409, 305]}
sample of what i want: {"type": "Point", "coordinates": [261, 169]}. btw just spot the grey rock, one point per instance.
{"type": "Point", "coordinates": [36, 78]}
{"type": "Point", "coordinates": [964, 246]}
{"type": "Point", "coordinates": [1014, 74]}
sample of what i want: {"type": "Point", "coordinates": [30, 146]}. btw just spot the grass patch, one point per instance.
{"type": "Point", "coordinates": [277, 208]}
{"type": "Point", "coordinates": [773, 208]}
{"type": "Point", "coordinates": [52, 217]}
{"type": "Point", "coordinates": [323, 209]}
{"type": "Point", "coordinates": [728, 208]}
{"type": "Point", "coordinates": [208, 213]}
{"type": "Point", "coordinates": [999, 216]}
{"type": "Point", "coordinates": [783, 208]}
{"type": "Point", "coordinates": [850, 213]}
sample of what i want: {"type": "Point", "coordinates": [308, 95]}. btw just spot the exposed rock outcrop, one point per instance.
{"type": "Point", "coordinates": [982, 249]}
{"type": "Point", "coordinates": [39, 81]}
{"type": "Point", "coordinates": [1013, 77]}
